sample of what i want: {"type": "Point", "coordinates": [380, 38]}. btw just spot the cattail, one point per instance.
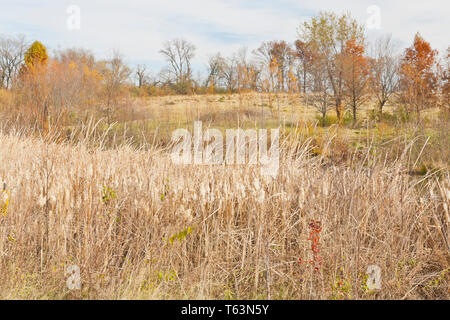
{"type": "Point", "coordinates": [42, 200]}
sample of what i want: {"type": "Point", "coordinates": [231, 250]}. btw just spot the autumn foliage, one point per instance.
{"type": "Point", "coordinates": [49, 88]}
{"type": "Point", "coordinates": [418, 71]}
{"type": "Point", "coordinates": [36, 55]}
{"type": "Point", "coordinates": [356, 72]}
{"type": "Point", "coordinates": [329, 65]}
{"type": "Point", "coordinates": [88, 180]}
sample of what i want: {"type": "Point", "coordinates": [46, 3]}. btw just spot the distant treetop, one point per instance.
{"type": "Point", "coordinates": [36, 54]}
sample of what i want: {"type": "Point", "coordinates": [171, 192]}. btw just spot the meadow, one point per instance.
{"type": "Point", "coordinates": [107, 198]}
{"type": "Point", "coordinates": [93, 205]}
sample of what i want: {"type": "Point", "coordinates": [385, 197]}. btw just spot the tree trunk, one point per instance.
{"type": "Point", "coordinates": [338, 109]}
{"type": "Point", "coordinates": [418, 115]}
{"type": "Point", "coordinates": [304, 80]}
{"type": "Point", "coordinates": [380, 110]}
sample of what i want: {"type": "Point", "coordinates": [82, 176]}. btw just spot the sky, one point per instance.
{"type": "Point", "coordinates": [138, 28]}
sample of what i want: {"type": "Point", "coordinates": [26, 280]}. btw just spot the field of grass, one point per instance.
{"type": "Point", "coordinates": [109, 200]}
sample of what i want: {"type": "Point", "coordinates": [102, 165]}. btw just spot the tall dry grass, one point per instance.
{"type": "Point", "coordinates": [141, 227]}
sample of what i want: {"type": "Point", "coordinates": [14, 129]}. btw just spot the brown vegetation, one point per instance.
{"type": "Point", "coordinates": [88, 181]}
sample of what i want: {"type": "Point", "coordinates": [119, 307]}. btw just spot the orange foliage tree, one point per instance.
{"type": "Point", "coordinates": [51, 88]}
{"type": "Point", "coordinates": [284, 56]}
{"type": "Point", "coordinates": [355, 74]}
{"type": "Point", "coordinates": [418, 75]}
{"type": "Point", "coordinates": [327, 34]}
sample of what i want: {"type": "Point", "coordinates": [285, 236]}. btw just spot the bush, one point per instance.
{"type": "Point", "coordinates": [328, 121]}
{"type": "Point", "coordinates": [402, 114]}
{"type": "Point", "coordinates": [6, 99]}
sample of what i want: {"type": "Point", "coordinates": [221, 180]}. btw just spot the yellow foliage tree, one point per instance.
{"type": "Point", "coordinates": [36, 54]}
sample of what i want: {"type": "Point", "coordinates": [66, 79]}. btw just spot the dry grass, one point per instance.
{"type": "Point", "coordinates": [141, 227]}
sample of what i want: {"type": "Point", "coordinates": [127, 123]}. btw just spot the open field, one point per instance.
{"type": "Point", "coordinates": [150, 121]}
{"type": "Point", "coordinates": [109, 200]}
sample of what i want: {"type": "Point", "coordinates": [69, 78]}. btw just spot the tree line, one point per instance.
{"type": "Point", "coordinates": [330, 64]}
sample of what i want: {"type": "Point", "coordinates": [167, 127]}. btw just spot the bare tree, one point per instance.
{"type": "Point", "coordinates": [215, 65]}
{"type": "Point", "coordinates": [322, 96]}
{"type": "Point", "coordinates": [141, 75]}
{"type": "Point", "coordinates": [264, 54]}
{"type": "Point", "coordinates": [277, 53]}
{"type": "Point", "coordinates": [229, 73]}
{"type": "Point", "coordinates": [115, 74]}
{"type": "Point", "coordinates": [268, 65]}
{"type": "Point", "coordinates": [248, 71]}
{"type": "Point", "coordinates": [253, 74]}
{"type": "Point", "coordinates": [11, 58]}
{"type": "Point", "coordinates": [305, 55]}
{"type": "Point", "coordinates": [284, 56]}
{"type": "Point", "coordinates": [384, 71]}
{"type": "Point", "coordinates": [179, 54]}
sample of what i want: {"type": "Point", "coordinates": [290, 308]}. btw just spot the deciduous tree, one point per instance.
{"type": "Point", "coordinates": [12, 50]}
{"type": "Point", "coordinates": [36, 54]}
{"type": "Point", "coordinates": [214, 68]}
{"type": "Point", "coordinates": [355, 74]}
{"type": "Point", "coordinates": [446, 81]}
{"type": "Point", "coordinates": [278, 52]}
{"type": "Point", "coordinates": [383, 72]}
{"type": "Point", "coordinates": [179, 54]}
{"type": "Point", "coordinates": [327, 34]}
{"type": "Point", "coordinates": [141, 75]}
{"type": "Point", "coordinates": [115, 73]}
{"type": "Point", "coordinates": [322, 95]}
{"type": "Point", "coordinates": [418, 71]}
{"type": "Point", "coordinates": [305, 55]}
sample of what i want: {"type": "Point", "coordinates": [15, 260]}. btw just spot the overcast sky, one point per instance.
{"type": "Point", "coordinates": [138, 28]}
